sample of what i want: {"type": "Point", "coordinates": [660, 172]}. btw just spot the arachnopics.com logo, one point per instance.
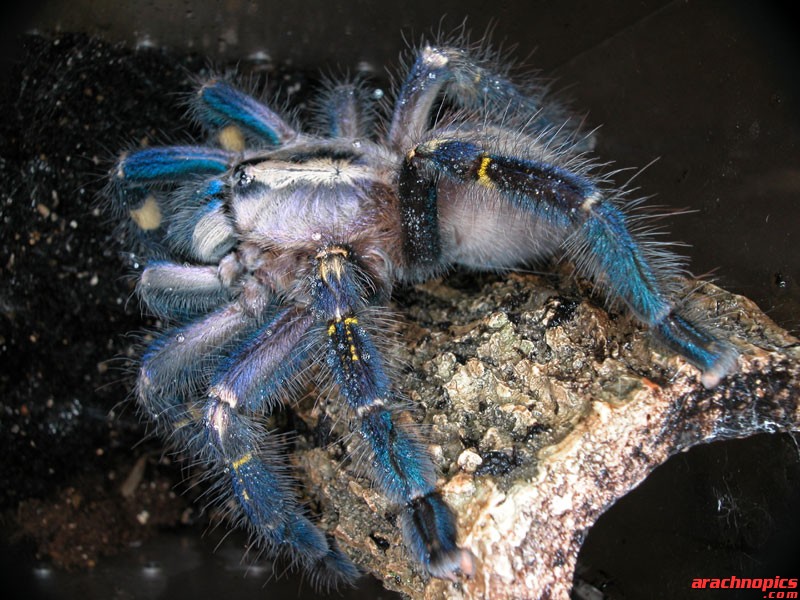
{"type": "Point", "coordinates": [774, 587]}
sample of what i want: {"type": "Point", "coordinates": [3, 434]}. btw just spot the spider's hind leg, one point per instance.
{"type": "Point", "coordinates": [343, 110]}
{"type": "Point", "coordinates": [172, 199]}
{"type": "Point", "coordinates": [529, 199]}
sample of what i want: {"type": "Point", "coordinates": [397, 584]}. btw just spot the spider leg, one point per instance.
{"type": "Point", "coordinates": [177, 292]}
{"type": "Point", "coordinates": [175, 369]}
{"type": "Point", "coordinates": [564, 207]}
{"type": "Point", "coordinates": [248, 382]}
{"type": "Point", "coordinates": [199, 223]}
{"type": "Point", "coordinates": [263, 368]}
{"type": "Point", "coordinates": [475, 83]}
{"type": "Point", "coordinates": [239, 369]}
{"type": "Point", "coordinates": [343, 112]}
{"type": "Point", "coordinates": [172, 163]}
{"type": "Point", "coordinates": [220, 106]}
{"type": "Point", "coordinates": [401, 466]}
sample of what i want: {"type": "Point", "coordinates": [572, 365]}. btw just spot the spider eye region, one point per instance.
{"type": "Point", "coordinates": [243, 177]}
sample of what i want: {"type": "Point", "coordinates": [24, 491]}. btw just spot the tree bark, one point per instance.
{"type": "Point", "coordinates": [542, 410]}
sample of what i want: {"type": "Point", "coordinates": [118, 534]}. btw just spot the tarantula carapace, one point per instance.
{"type": "Point", "coordinates": [269, 248]}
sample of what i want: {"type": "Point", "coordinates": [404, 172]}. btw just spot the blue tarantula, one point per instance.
{"type": "Point", "coordinates": [270, 247]}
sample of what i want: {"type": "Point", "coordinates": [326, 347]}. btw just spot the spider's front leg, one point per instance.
{"type": "Point", "coordinates": [401, 466]}
{"type": "Point", "coordinates": [527, 208]}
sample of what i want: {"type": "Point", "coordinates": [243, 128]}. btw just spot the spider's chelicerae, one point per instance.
{"type": "Point", "coordinates": [270, 247]}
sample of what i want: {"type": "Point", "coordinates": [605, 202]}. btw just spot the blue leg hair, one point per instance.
{"type": "Point", "coordinates": [172, 163]}
{"type": "Point", "coordinates": [190, 220]}
{"type": "Point", "coordinates": [247, 382]}
{"type": "Point", "coordinates": [180, 357]}
{"type": "Point", "coordinates": [199, 222]}
{"type": "Point", "coordinates": [422, 245]}
{"type": "Point", "coordinates": [597, 237]}
{"type": "Point", "coordinates": [175, 368]}
{"type": "Point", "coordinates": [218, 105]}
{"type": "Point", "coordinates": [263, 367]}
{"type": "Point", "coordinates": [400, 463]}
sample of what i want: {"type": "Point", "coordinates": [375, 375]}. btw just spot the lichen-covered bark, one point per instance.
{"type": "Point", "coordinates": [542, 409]}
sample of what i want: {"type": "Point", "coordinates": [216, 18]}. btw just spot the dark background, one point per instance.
{"type": "Point", "coordinates": [710, 89]}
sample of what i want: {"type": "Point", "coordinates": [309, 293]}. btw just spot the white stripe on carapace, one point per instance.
{"type": "Point", "coordinates": [317, 172]}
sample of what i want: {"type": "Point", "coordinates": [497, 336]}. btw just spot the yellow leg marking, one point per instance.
{"type": "Point", "coordinates": [148, 215]}
{"type": "Point", "coordinates": [231, 138]}
{"type": "Point", "coordinates": [237, 464]}
{"type": "Point", "coordinates": [483, 177]}
{"type": "Point", "coordinates": [245, 495]}
{"type": "Point", "coordinates": [348, 323]}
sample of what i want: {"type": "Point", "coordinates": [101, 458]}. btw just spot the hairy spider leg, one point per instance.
{"type": "Point", "coordinates": [422, 243]}
{"type": "Point", "coordinates": [343, 111]}
{"type": "Point", "coordinates": [172, 163]}
{"type": "Point", "coordinates": [400, 463]}
{"type": "Point", "coordinates": [179, 292]}
{"type": "Point", "coordinates": [595, 231]}
{"type": "Point", "coordinates": [219, 106]}
{"type": "Point", "coordinates": [200, 225]}
{"type": "Point", "coordinates": [475, 84]}
{"type": "Point", "coordinates": [250, 381]}
{"type": "Point", "coordinates": [263, 369]}
{"type": "Point", "coordinates": [175, 370]}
